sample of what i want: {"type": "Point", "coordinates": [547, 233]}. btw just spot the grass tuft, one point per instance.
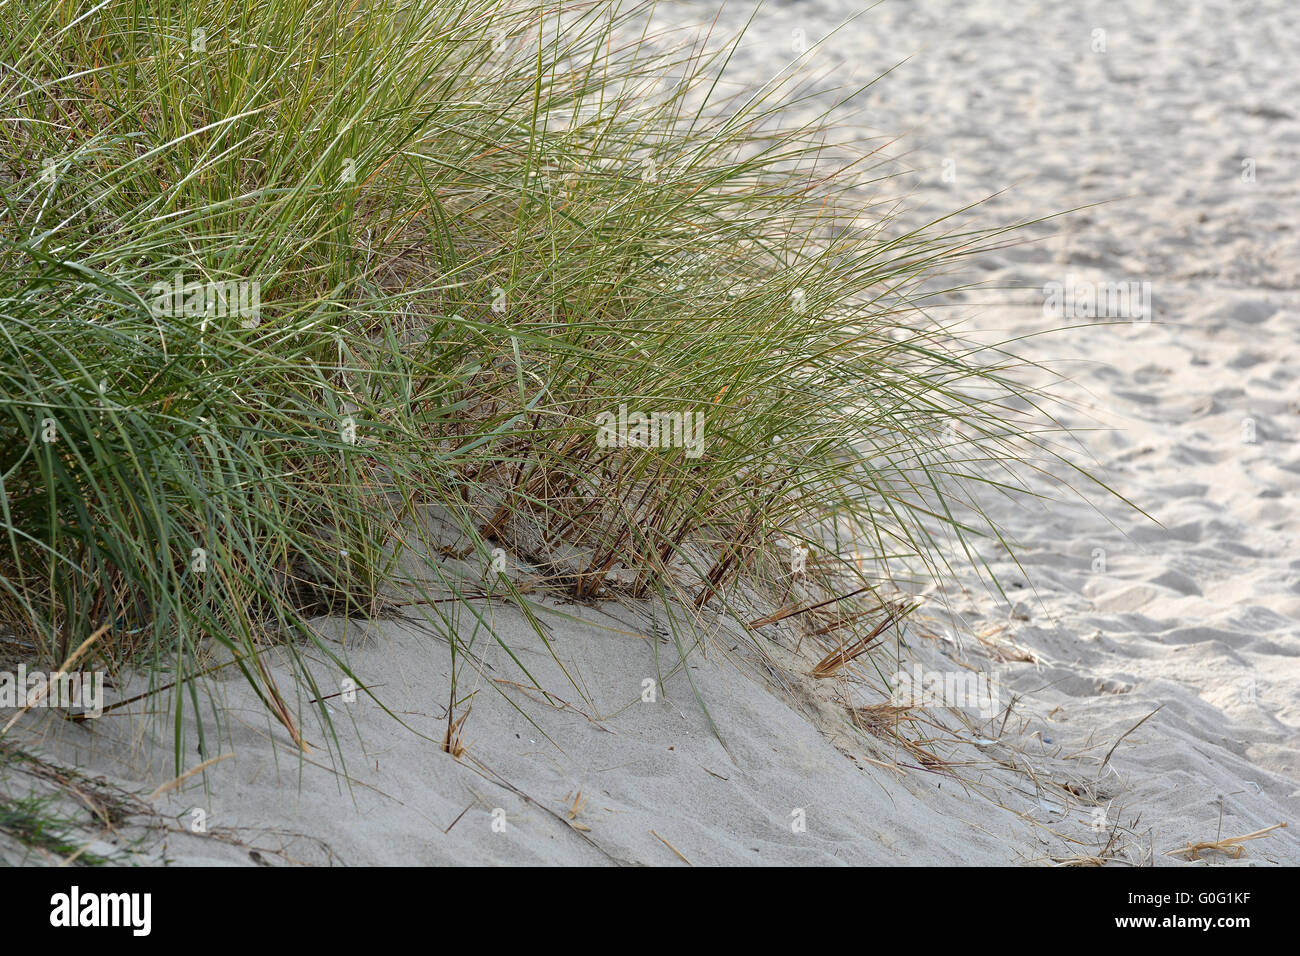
{"type": "Point", "coordinates": [312, 308]}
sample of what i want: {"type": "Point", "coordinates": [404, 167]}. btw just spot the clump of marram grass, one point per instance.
{"type": "Point", "coordinates": [484, 237]}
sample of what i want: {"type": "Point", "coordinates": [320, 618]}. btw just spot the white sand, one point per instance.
{"type": "Point", "coordinates": [1198, 615]}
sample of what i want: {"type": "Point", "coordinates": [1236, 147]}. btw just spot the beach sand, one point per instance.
{"type": "Point", "coordinates": [1185, 125]}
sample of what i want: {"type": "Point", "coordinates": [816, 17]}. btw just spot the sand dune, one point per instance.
{"type": "Point", "coordinates": [1185, 125]}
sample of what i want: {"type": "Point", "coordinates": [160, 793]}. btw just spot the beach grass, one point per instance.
{"type": "Point", "coordinates": [280, 279]}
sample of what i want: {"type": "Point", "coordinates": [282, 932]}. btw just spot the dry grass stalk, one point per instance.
{"type": "Point", "coordinates": [846, 653]}
{"type": "Point", "coordinates": [1231, 846]}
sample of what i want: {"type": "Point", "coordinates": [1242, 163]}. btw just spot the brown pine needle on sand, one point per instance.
{"type": "Point", "coordinates": [671, 847]}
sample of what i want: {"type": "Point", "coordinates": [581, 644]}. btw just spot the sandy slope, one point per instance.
{"type": "Point", "coordinates": [1196, 612]}
{"type": "Point", "coordinates": [1160, 114]}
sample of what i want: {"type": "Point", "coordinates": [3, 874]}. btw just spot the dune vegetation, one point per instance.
{"type": "Point", "coordinates": [280, 279]}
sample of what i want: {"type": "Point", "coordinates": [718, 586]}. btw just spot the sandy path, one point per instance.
{"type": "Point", "coordinates": [1185, 122]}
